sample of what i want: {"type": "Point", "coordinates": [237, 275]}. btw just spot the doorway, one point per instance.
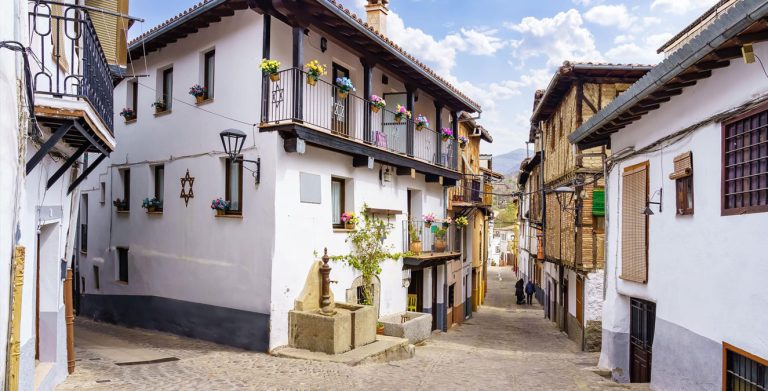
{"type": "Point", "coordinates": [48, 288]}
{"type": "Point", "coordinates": [565, 306]}
{"type": "Point", "coordinates": [416, 288]}
{"type": "Point", "coordinates": [642, 326]}
{"type": "Point", "coordinates": [340, 111]}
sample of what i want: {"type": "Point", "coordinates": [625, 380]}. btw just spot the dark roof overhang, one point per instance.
{"type": "Point", "coordinates": [712, 49]}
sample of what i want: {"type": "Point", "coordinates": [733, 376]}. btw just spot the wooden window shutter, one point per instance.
{"type": "Point", "coordinates": [598, 202]}
{"type": "Point", "coordinates": [683, 166]}
{"type": "Point", "coordinates": [634, 224]}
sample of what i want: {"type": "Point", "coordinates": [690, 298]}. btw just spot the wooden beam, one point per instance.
{"type": "Point", "coordinates": [406, 171]}
{"type": "Point", "coordinates": [90, 138]}
{"type": "Point", "coordinates": [753, 37]}
{"type": "Point", "coordinates": [728, 53]}
{"type": "Point", "coordinates": [85, 173]}
{"type": "Point", "coordinates": [294, 144]}
{"type": "Point", "coordinates": [580, 98]}
{"type": "Point", "coordinates": [64, 167]}
{"type": "Point", "coordinates": [362, 161]}
{"type": "Point", "coordinates": [47, 145]}
{"type": "Point", "coordinates": [667, 93]}
{"type": "Point", "coordinates": [431, 178]}
{"type": "Point", "coordinates": [695, 76]}
{"type": "Point", "coordinates": [709, 65]}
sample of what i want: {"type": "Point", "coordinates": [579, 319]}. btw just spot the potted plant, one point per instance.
{"type": "Point", "coordinates": [461, 221]}
{"type": "Point", "coordinates": [429, 219]}
{"type": "Point", "coordinates": [159, 106]}
{"type": "Point", "coordinates": [271, 68]}
{"type": "Point", "coordinates": [314, 71]}
{"type": "Point", "coordinates": [415, 242]}
{"type": "Point", "coordinates": [446, 133]}
{"type": "Point", "coordinates": [220, 205]}
{"type": "Point", "coordinates": [121, 206]}
{"type": "Point", "coordinates": [198, 92]}
{"type": "Point", "coordinates": [447, 222]}
{"type": "Point", "coordinates": [377, 103]}
{"type": "Point", "coordinates": [349, 220]}
{"type": "Point", "coordinates": [344, 86]}
{"type": "Point", "coordinates": [379, 328]}
{"type": "Point", "coordinates": [463, 141]}
{"type": "Point", "coordinates": [128, 114]}
{"type": "Point", "coordinates": [440, 242]}
{"type": "Point", "coordinates": [152, 205]}
{"type": "Point", "coordinates": [401, 113]}
{"type": "Point", "coordinates": [421, 122]}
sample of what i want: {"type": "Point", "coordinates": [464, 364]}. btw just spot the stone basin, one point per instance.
{"type": "Point", "coordinates": [415, 326]}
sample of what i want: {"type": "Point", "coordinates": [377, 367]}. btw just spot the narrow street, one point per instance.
{"type": "Point", "coordinates": [512, 347]}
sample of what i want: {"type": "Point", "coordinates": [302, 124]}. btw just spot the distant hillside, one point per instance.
{"type": "Point", "coordinates": [509, 162]}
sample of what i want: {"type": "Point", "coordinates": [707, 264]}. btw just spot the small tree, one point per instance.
{"type": "Point", "coordinates": [368, 250]}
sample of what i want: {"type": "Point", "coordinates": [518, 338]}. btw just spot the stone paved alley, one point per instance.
{"type": "Point", "coordinates": [511, 347]}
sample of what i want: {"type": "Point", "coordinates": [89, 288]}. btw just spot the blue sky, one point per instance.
{"type": "Point", "coordinates": [499, 52]}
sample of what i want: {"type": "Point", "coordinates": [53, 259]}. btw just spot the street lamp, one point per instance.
{"type": "Point", "coordinates": [564, 196]}
{"type": "Point", "coordinates": [648, 211]}
{"type": "Point", "coordinates": [233, 141]}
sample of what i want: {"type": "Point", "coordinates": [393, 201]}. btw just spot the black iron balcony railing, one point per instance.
{"type": "Point", "coordinates": [289, 97]}
{"type": "Point", "coordinates": [468, 190]}
{"type": "Point", "coordinates": [437, 238]}
{"type": "Point", "coordinates": [70, 60]}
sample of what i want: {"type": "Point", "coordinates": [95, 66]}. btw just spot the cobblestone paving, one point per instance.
{"type": "Point", "coordinates": [503, 347]}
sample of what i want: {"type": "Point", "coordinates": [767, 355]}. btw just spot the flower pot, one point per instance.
{"type": "Point", "coordinates": [342, 94]}
{"type": "Point", "coordinates": [380, 330]}
{"type": "Point", "coordinates": [446, 225]}
{"type": "Point", "coordinates": [415, 247]}
{"type": "Point", "coordinates": [151, 209]}
{"type": "Point", "coordinates": [375, 108]}
{"type": "Point", "coordinates": [349, 225]}
{"type": "Point", "coordinates": [463, 145]}
{"type": "Point", "coordinates": [419, 127]}
{"type": "Point", "coordinates": [440, 245]}
{"type": "Point", "coordinates": [427, 224]}
{"type": "Point", "coordinates": [446, 138]}
{"type": "Point", "coordinates": [199, 98]}
{"type": "Point", "coordinates": [398, 118]}
{"type": "Point", "coordinates": [311, 80]}
{"type": "Point", "coordinates": [159, 109]}
{"type": "Point", "coordinates": [274, 76]}
{"type": "Point", "coordinates": [129, 118]}
{"type": "Point", "coordinates": [220, 212]}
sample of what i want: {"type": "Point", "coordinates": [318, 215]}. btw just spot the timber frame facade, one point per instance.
{"type": "Point", "coordinates": [573, 222]}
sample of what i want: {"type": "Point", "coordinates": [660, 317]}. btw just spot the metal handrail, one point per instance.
{"type": "Point", "coordinates": [71, 60]}
{"type": "Point", "coordinates": [289, 96]}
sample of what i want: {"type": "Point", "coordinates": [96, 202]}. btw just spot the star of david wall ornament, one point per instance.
{"type": "Point", "coordinates": [186, 188]}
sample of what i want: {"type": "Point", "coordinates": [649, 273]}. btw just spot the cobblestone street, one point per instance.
{"type": "Point", "coordinates": [511, 347]}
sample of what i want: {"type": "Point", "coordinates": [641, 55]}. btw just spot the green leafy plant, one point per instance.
{"type": "Point", "coordinates": [441, 232]}
{"type": "Point", "coordinates": [368, 250]}
{"type": "Point", "coordinates": [413, 234]}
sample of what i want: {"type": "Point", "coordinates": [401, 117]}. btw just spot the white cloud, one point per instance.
{"type": "Point", "coordinates": [644, 52]}
{"type": "Point", "coordinates": [680, 6]}
{"type": "Point", "coordinates": [559, 38]}
{"type": "Point", "coordinates": [610, 15]}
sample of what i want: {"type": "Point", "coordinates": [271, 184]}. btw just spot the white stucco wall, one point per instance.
{"type": "Point", "coordinates": [705, 268]}
{"type": "Point", "coordinates": [187, 253]}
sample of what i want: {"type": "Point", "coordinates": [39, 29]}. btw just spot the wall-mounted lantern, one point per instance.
{"type": "Point", "coordinates": [648, 211]}
{"type": "Point", "coordinates": [233, 141]}
{"type": "Point", "coordinates": [564, 196]}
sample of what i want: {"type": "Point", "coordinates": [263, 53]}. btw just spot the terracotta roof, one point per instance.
{"type": "Point", "coordinates": [352, 15]}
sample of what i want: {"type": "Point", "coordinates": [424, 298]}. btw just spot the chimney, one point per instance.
{"type": "Point", "coordinates": [376, 15]}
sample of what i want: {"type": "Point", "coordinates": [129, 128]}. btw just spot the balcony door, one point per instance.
{"type": "Point", "coordinates": [340, 109]}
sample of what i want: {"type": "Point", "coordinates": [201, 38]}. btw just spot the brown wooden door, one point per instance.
{"type": "Point", "coordinates": [580, 301]}
{"type": "Point", "coordinates": [340, 110]}
{"type": "Point", "coordinates": [642, 325]}
{"type": "Point", "coordinates": [565, 306]}
{"type": "Point", "coordinates": [37, 301]}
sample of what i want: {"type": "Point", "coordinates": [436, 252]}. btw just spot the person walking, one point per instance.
{"type": "Point", "coordinates": [519, 291]}
{"type": "Point", "coordinates": [530, 289]}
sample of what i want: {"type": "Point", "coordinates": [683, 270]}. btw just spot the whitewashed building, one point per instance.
{"type": "Point", "coordinates": [685, 290]}
{"type": "Point", "coordinates": [52, 115]}
{"type": "Point", "coordinates": [232, 278]}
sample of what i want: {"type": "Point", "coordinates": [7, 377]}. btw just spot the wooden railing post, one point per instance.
{"type": "Point", "coordinates": [455, 127]}
{"type": "Point", "coordinates": [438, 130]}
{"type": "Point", "coordinates": [298, 64]}
{"type": "Point", "coordinates": [409, 103]}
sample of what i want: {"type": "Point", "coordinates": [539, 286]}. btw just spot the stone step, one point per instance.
{"type": "Point", "coordinates": [385, 349]}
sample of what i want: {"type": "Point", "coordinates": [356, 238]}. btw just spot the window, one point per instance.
{"type": "Point", "coordinates": [683, 177]}
{"type": "Point", "coordinates": [84, 223]}
{"type": "Point", "coordinates": [159, 181]}
{"type": "Point", "coordinates": [126, 174]}
{"type": "Point", "coordinates": [122, 264]}
{"type": "Point", "coordinates": [96, 282]}
{"type": "Point", "coordinates": [337, 201]}
{"type": "Point", "coordinates": [234, 186]}
{"type": "Point", "coordinates": [743, 371]}
{"type": "Point", "coordinates": [168, 88]}
{"type": "Point", "coordinates": [103, 192]}
{"type": "Point", "coordinates": [745, 164]}
{"type": "Point", "coordinates": [134, 95]}
{"type": "Point", "coordinates": [209, 61]}
{"type": "Point", "coordinates": [598, 211]}
{"type": "Point", "coordinates": [634, 224]}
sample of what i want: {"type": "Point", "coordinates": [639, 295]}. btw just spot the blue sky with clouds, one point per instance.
{"type": "Point", "coordinates": [500, 51]}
